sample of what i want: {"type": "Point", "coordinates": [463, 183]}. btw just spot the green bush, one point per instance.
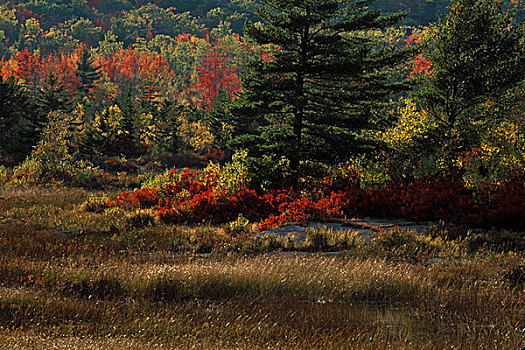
{"type": "Point", "coordinates": [3, 175]}
{"type": "Point", "coordinates": [140, 219]}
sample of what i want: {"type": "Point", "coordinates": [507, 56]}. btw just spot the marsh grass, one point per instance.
{"type": "Point", "coordinates": [134, 288]}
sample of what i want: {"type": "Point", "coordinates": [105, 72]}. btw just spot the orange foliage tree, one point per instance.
{"type": "Point", "coordinates": [216, 75]}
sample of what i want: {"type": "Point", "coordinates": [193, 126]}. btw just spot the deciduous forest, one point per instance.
{"type": "Point", "coordinates": [143, 136]}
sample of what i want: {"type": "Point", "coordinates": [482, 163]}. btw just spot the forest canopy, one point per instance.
{"type": "Point", "coordinates": [179, 83]}
{"type": "Point", "coordinates": [50, 25]}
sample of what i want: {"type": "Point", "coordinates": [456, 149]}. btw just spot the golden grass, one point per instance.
{"type": "Point", "coordinates": [96, 292]}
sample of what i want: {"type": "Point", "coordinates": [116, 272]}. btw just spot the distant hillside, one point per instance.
{"type": "Point", "coordinates": [60, 25]}
{"type": "Point", "coordinates": [423, 12]}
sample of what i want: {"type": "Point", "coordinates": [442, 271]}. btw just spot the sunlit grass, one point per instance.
{"type": "Point", "coordinates": [106, 290]}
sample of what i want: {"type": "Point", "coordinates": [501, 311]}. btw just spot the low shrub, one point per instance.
{"type": "Point", "coordinates": [140, 219]}
{"type": "Point", "coordinates": [96, 204]}
{"type": "Point", "coordinates": [196, 197]}
{"type": "Point", "coordinates": [238, 226]}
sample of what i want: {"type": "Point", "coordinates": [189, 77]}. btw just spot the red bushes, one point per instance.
{"type": "Point", "coordinates": [195, 198]}
{"type": "Point", "coordinates": [445, 199]}
{"type": "Point", "coordinates": [142, 199]}
{"type": "Point", "coordinates": [210, 206]}
{"type": "Point", "coordinates": [431, 199]}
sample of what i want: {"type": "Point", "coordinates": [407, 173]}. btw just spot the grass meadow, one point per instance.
{"type": "Point", "coordinates": [109, 284]}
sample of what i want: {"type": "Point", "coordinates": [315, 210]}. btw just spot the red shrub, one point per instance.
{"type": "Point", "coordinates": [195, 198]}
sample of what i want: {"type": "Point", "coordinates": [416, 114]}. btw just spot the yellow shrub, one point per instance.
{"type": "Point", "coordinates": [500, 156]}
{"type": "Point", "coordinates": [412, 123]}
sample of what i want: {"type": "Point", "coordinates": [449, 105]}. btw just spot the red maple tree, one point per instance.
{"type": "Point", "coordinates": [216, 74]}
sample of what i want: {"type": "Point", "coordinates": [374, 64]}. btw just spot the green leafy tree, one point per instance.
{"type": "Point", "coordinates": [109, 46]}
{"type": "Point", "coordinates": [478, 56]}
{"type": "Point", "coordinates": [9, 29]}
{"type": "Point", "coordinates": [322, 89]}
{"type": "Point", "coordinates": [85, 31]}
{"type": "Point", "coordinates": [58, 39]}
{"type": "Point", "coordinates": [150, 20]}
{"type": "Point", "coordinates": [52, 152]}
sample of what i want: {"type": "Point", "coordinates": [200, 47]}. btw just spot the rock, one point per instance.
{"type": "Point", "coordinates": [366, 229]}
{"type": "Point", "coordinates": [69, 233]}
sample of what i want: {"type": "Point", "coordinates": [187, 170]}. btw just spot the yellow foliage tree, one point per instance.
{"type": "Point", "coordinates": [195, 135]}
{"type": "Point", "coordinates": [413, 122]}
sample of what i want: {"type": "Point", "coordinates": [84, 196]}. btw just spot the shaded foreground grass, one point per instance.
{"type": "Point", "coordinates": [91, 292]}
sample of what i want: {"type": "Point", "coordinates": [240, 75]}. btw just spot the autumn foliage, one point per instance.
{"type": "Point", "coordinates": [216, 75]}
{"type": "Point", "coordinates": [213, 70]}
{"type": "Point", "coordinates": [128, 64]}
{"type": "Point", "coordinates": [193, 197]}
{"type": "Point", "coordinates": [32, 70]}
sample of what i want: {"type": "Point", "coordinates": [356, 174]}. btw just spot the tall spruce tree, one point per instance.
{"type": "Point", "coordinates": [53, 97]}
{"type": "Point", "coordinates": [9, 109]}
{"type": "Point", "coordinates": [321, 90]}
{"type": "Point", "coordinates": [16, 130]}
{"type": "Point", "coordinates": [88, 72]}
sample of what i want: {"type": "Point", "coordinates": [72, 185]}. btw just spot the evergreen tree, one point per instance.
{"type": "Point", "coordinates": [17, 133]}
{"type": "Point", "coordinates": [149, 92]}
{"type": "Point", "coordinates": [220, 120]}
{"type": "Point", "coordinates": [130, 108]}
{"type": "Point", "coordinates": [13, 107]}
{"type": "Point", "coordinates": [128, 143]}
{"type": "Point", "coordinates": [321, 90]}
{"type": "Point", "coordinates": [10, 111]}
{"type": "Point", "coordinates": [53, 97]}
{"type": "Point", "coordinates": [168, 138]}
{"type": "Point", "coordinates": [87, 72]}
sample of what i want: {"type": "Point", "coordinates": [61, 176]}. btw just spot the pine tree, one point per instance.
{"type": "Point", "coordinates": [53, 97]}
{"type": "Point", "coordinates": [9, 109]}
{"type": "Point", "coordinates": [149, 93]}
{"type": "Point", "coordinates": [130, 108]}
{"type": "Point", "coordinates": [128, 143]}
{"type": "Point", "coordinates": [321, 89]}
{"type": "Point", "coordinates": [168, 137]}
{"type": "Point", "coordinates": [87, 72]}
{"type": "Point", "coordinates": [17, 133]}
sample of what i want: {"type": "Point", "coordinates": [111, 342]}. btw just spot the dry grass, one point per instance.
{"type": "Point", "coordinates": [93, 291]}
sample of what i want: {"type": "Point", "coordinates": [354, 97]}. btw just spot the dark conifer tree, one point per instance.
{"type": "Point", "coordinates": [53, 97]}
{"type": "Point", "coordinates": [87, 72]}
{"type": "Point", "coordinates": [321, 90]}
{"type": "Point", "coordinates": [10, 109]}
{"type": "Point", "coordinates": [128, 144]}
{"type": "Point", "coordinates": [149, 92]}
{"type": "Point", "coordinates": [130, 108]}
{"type": "Point", "coordinates": [169, 141]}
{"type": "Point", "coordinates": [16, 129]}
